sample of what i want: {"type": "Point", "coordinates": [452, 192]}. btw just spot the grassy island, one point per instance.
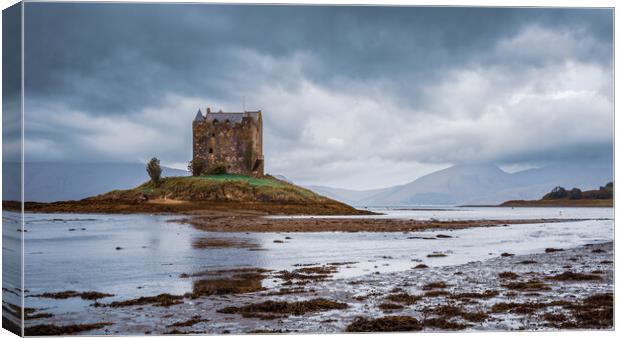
{"type": "Point", "coordinates": [203, 194]}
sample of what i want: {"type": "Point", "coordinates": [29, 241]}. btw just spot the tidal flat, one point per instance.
{"type": "Point", "coordinates": [170, 277]}
{"type": "Point", "coordinates": [568, 289]}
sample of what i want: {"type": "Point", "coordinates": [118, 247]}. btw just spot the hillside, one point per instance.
{"type": "Point", "coordinates": [601, 197]}
{"type": "Point", "coordinates": [230, 193]}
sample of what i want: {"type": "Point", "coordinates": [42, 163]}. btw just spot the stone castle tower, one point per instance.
{"type": "Point", "coordinates": [232, 140]}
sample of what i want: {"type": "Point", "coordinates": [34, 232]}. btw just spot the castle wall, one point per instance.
{"type": "Point", "coordinates": [237, 146]}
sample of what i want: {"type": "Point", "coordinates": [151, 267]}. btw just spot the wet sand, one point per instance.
{"type": "Point", "coordinates": [549, 290]}
{"type": "Point", "coordinates": [260, 224]}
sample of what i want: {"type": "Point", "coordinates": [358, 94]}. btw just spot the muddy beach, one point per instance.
{"type": "Point", "coordinates": [548, 290]}
{"type": "Point", "coordinates": [231, 223]}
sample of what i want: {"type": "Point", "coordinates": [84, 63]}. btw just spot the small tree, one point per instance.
{"type": "Point", "coordinates": [217, 169]}
{"type": "Point", "coordinates": [195, 167]}
{"type": "Point", "coordinates": [575, 194]}
{"type": "Point", "coordinates": [154, 170]}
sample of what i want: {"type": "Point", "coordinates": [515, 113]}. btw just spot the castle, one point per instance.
{"type": "Point", "coordinates": [230, 140]}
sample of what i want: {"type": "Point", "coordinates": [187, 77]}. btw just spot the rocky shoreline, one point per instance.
{"type": "Point", "coordinates": [551, 290]}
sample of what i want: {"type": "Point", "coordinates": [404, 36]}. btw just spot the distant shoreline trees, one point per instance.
{"type": "Point", "coordinates": [606, 192]}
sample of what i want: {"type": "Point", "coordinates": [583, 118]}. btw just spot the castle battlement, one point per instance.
{"type": "Point", "coordinates": [230, 139]}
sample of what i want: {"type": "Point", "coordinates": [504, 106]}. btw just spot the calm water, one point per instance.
{"type": "Point", "coordinates": [467, 213]}
{"type": "Point", "coordinates": [79, 252]}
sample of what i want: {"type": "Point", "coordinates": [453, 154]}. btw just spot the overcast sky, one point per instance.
{"type": "Point", "coordinates": [357, 97]}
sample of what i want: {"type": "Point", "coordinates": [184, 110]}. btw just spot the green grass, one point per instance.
{"type": "Point", "coordinates": [265, 181]}
{"type": "Point", "coordinates": [225, 187]}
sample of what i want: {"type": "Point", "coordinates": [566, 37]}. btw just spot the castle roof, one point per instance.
{"type": "Point", "coordinates": [235, 117]}
{"type": "Point", "coordinates": [199, 116]}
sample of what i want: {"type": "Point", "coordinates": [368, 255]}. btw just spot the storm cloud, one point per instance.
{"type": "Point", "coordinates": [358, 97]}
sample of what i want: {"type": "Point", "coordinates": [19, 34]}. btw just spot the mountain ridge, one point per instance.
{"type": "Point", "coordinates": [482, 183]}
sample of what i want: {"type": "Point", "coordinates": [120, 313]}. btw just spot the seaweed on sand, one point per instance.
{"type": "Point", "coordinates": [55, 330]}
{"type": "Point", "coordinates": [315, 273]}
{"type": "Point", "coordinates": [275, 309]}
{"type": "Point", "coordinates": [449, 311]}
{"type": "Point", "coordinates": [531, 285]}
{"type": "Point", "coordinates": [435, 285]}
{"type": "Point", "coordinates": [341, 263]}
{"type": "Point", "coordinates": [520, 308]}
{"type": "Point", "coordinates": [436, 254]}
{"type": "Point", "coordinates": [443, 323]}
{"type": "Point", "coordinates": [525, 308]}
{"type": "Point", "coordinates": [385, 324]}
{"type": "Point", "coordinates": [596, 311]}
{"type": "Point", "coordinates": [574, 276]}
{"type": "Point", "coordinates": [390, 306]}
{"type": "Point", "coordinates": [554, 317]}
{"type": "Point", "coordinates": [403, 298]}
{"type": "Point", "coordinates": [508, 275]}
{"type": "Point", "coordinates": [436, 293]}
{"type": "Point", "coordinates": [87, 295]}
{"type": "Point", "coordinates": [475, 295]}
{"type": "Point", "coordinates": [164, 300]}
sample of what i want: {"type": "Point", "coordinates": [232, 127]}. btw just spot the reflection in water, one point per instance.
{"type": "Point", "coordinates": [224, 242]}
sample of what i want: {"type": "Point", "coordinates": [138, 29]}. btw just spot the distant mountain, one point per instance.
{"type": "Point", "coordinates": [476, 184]}
{"type": "Point", "coordinates": [282, 178]}
{"type": "Point", "coordinates": [348, 196]}
{"type": "Point", "coordinates": [49, 181]}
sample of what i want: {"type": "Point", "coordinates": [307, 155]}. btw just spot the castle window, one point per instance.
{"type": "Point", "coordinates": [210, 150]}
{"type": "Point", "coordinates": [212, 134]}
{"type": "Point", "coordinates": [215, 121]}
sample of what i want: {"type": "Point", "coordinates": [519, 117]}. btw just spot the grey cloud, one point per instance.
{"type": "Point", "coordinates": [114, 57]}
{"type": "Point", "coordinates": [340, 86]}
